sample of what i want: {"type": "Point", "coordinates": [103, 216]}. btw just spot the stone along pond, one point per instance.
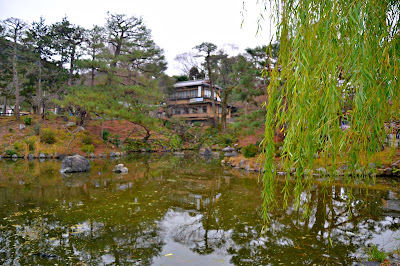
{"type": "Point", "coordinates": [182, 211]}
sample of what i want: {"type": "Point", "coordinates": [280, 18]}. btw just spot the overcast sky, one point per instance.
{"type": "Point", "coordinates": [177, 25]}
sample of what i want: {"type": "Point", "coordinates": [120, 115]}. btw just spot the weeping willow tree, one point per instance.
{"type": "Point", "coordinates": [339, 60]}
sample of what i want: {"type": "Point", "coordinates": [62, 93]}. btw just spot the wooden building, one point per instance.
{"type": "Point", "coordinates": [191, 100]}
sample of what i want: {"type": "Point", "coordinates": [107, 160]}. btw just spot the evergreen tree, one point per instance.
{"type": "Point", "coordinates": [95, 45]}
{"type": "Point", "coordinates": [39, 40]}
{"type": "Point", "coordinates": [15, 30]}
{"type": "Point", "coordinates": [207, 50]}
{"type": "Point", "coordinates": [67, 41]}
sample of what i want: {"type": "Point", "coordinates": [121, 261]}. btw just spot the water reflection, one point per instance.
{"type": "Point", "coordinates": [181, 210]}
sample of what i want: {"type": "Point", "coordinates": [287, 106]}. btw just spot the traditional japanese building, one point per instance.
{"type": "Point", "coordinates": [192, 101]}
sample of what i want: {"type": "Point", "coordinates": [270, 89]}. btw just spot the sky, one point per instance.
{"type": "Point", "coordinates": [177, 25]}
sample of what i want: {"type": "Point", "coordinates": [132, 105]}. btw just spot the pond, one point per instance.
{"type": "Point", "coordinates": [182, 211]}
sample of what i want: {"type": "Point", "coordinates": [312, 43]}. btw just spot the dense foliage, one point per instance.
{"type": "Point", "coordinates": [338, 60]}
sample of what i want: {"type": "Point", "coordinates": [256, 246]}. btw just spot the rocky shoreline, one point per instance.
{"type": "Point", "coordinates": [111, 154]}
{"type": "Point", "coordinates": [392, 170]}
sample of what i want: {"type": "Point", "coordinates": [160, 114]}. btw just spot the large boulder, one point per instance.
{"type": "Point", "coordinates": [120, 169]}
{"type": "Point", "coordinates": [76, 163]}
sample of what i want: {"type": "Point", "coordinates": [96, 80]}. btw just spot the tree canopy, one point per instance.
{"type": "Point", "coordinates": [338, 60]}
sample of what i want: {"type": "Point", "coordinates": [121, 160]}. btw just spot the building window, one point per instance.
{"type": "Point", "coordinates": [207, 93]}
{"type": "Point", "coordinates": [204, 109]}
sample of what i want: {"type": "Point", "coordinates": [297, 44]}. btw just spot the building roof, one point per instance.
{"type": "Point", "coordinates": [194, 83]}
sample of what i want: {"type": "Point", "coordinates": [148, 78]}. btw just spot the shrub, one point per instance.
{"type": "Point", "coordinates": [31, 143]}
{"type": "Point", "coordinates": [88, 148]}
{"type": "Point", "coordinates": [48, 136]}
{"type": "Point", "coordinates": [106, 133]}
{"type": "Point", "coordinates": [115, 140]}
{"type": "Point", "coordinates": [175, 142]}
{"type": "Point", "coordinates": [11, 130]}
{"type": "Point", "coordinates": [10, 152]}
{"type": "Point", "coordinates": [86, 139]}
{"type": "Point", "coordinates": [36, 129]}
{"type": "Point", "coordinates": [250, 150]}
{"type": "Point", "coordinates": [255, 124]}
{"type": "Point", "coordinates": [18, 146]}
{"type": "Point", "coordinates": [225, 139]}
{"type": "Point", "coordinates": [196, 124]}
{"type": "Point", "coordinates": [28, 121]}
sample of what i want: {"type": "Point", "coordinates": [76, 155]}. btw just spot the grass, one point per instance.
{"type": "Point", "coordinates": [374, 254]}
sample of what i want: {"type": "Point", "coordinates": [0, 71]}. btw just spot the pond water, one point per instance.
{"type": "Point", "coordinates": [182, 211]}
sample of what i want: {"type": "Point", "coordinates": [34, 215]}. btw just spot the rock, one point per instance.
{"type": "Point", "coordinates": [179, 154]}
{"type": "Point", "coordinates": [76, 163]}
{"type": "Point", "coordinates": [228, 149]}
{"type": "Point", "coordinates": [215, 154]}
{"type": "Point", "coordinates": [388, 171]}
{"type": "Point", "coordinates": [120, 169]}
{"type": "Point", "coordinates": [22, 126]}
{"type": "Point", "coordinates": [396, 164]}
{"type": "Point", "coordinates": [231, 154]}
{"type": "Point", "coordinates": [339, 172]}
{"type": "Point", "coordinates": [223, 162]}
{"type": "Point", "coordinates": [321, 171]}
{"type": "Point", "coordinates": [92, 155]}
{"type": "Point", "coordinates": [118, 154]}
{"type": "Point", "coordinates": [49, 156]}
{"type": "Point", "coordinates": [308, 172]}
{"type": "Point", "coordinates": [380, 172]}
{"type": "Point", "coordinates": [31, 157]}
{"type": "Point", "coordinates": [205, 151]}
{"type": "Point", "coordinates": [372, 166]}
{"type": "Point", "coordinates": [241, 163]}
{"type": "Point", "coordinates": [41, 155]}
{"type": "Point", "coordinates": [14, 156]}
{"type": "Point", "coordinates": [112, 154]}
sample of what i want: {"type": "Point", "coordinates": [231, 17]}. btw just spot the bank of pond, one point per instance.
{"type": "Point", "coordinates": [190, 209]}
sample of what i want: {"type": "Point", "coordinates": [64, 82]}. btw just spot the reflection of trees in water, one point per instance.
{"type": "Point", "coordinates": [75, 237]}
{"type": "Point", "coordinates": [81, 219]}
{"type": "Point", "coordinates": [121, 220]}
{"type": "Point", "coordinates": [332, 233]}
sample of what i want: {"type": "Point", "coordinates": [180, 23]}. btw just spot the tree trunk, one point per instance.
{"type": "Point", "coordinates": [215, 122]}
{"type": "Point", "coordinates": [92, 80]}
{"type": "Point", "coordinates": [43, 111]}
{"type": "Point", "coordinates": [113, 64]}
{"type": "Point", "coordinates": [71, 67]}
{"type": "Point", "coordinates": [224, 113]}
{"type": "Point", "coordinates": [15, 81]}
{"type": "Point", "coordinates": [5, 106]}
{"type": "Point", "coordinates": [40, 96]}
